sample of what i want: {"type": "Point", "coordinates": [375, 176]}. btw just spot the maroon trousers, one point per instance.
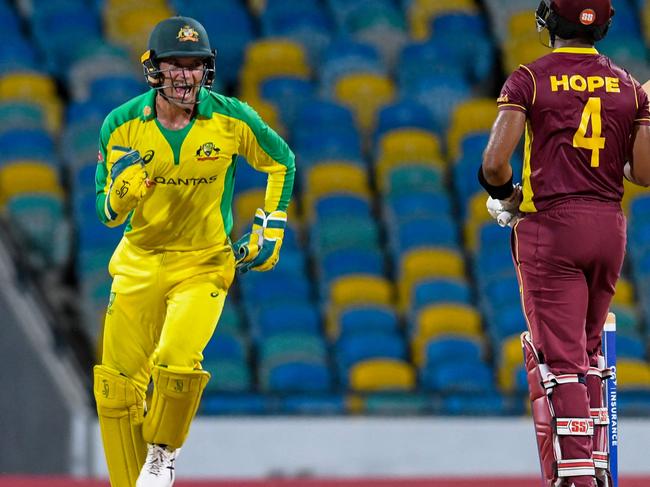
{"type": "Point", "coordinates": [568, 259]}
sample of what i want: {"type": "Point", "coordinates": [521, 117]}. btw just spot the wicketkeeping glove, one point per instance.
{"type": "Point", "coordinates": [128, 182]}
{"type": "Point", "coordinates": [506, 212]}
{"type": "Point", "coordinates": [259, 250]}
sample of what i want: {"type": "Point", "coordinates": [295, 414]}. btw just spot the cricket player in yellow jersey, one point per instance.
{"type": "Point", "coordinates": [166, 168]}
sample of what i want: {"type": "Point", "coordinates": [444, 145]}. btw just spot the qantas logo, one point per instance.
{"type": "Point", "coordinates": [185, 181]}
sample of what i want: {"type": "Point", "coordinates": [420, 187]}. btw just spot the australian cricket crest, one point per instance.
{"type": "Point", "coordinates": [186, 33]}
{"type": "Point", "coordinates": [208, 152]}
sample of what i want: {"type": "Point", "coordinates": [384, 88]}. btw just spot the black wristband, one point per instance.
{"type": "Point", "coordinates": [501, 192]}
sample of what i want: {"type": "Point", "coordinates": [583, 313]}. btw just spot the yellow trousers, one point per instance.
{"type": "Point", "coordinates": [163, 309]}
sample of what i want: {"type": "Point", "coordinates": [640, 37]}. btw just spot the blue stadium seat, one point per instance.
{"type": "Point", "coordinates": [417, 205]}
{"type": "Point", "coordinates": [403, 114]}
{"type": "Point", "coordinates": [116, 89]}
{"type": "Point", "coordinates": [428, 58]}
{"type": "Point", "coordinates": [465, 377]}
{"type": "Point", "coordinates": [228, 375]}
{"type": "Point", "coordinates": [340, 205]}
{"type": "Point", "coordinates": [368, 319]}
{"type": "Point", "coordinates": [311, 27]}
{"type": "Point", "coordinates": [298, 377]}
{"type": "Point", "coordinates": [353, 348]}
{"type": "Point", "coordinates": [320, 114]}
{"type": "Point", "coordinates": [248, 178]}
{"type": "Point", "coordinates": [438, 291]}
{"type": "Point", "coordinates": [438, 231]}
{"type": "Point", "coordinates": [451, 349]}
{"type": "Point", "coordinates": [440, 94]}
{"type": "Point", "coordinates": [313, 404]}
{"type": "Point", "coordinates": [288, 94]}
{"type": "Point", "coordinates": [230, 36]}
{"type": "Point", "coordinates": [22, 144]}
{"type": "Point", "coordinates": [467, 37]}
{"type": "Point", "coordinates": [359, 233]}
{"type": "Point", "coordinates": [274, 318]}
{"type": "Point", "coordinates": [260, 287]}
{"type": "Point", "coordinates": [345, 55]}
{"type": "Point", "coordinates": [236, 404]}
{"type": "Point", "coordinates": [484, 404]}
{"type": "Point", "coordinates": [347, 261]}
{"type": "Point", "coordinates": [225, 346]}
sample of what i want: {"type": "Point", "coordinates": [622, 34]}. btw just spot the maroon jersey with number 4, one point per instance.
{"type": "Point", "coordinates": [581, 110]}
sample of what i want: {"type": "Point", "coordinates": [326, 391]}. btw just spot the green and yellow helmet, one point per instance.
{"type": "Point", "coordinates": [177, 37]}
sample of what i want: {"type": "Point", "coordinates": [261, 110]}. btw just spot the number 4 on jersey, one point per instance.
{"type": "Point", "coordinates": [594, 143]}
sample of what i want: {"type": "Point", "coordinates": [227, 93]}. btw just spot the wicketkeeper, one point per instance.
{"type": "Point", "coordinates": [166, 168]}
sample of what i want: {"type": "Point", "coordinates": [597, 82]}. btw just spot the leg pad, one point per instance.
{"type": "Point", "coordinates": [120, 408]}
{"type": "Point", "coordinates": [175, 400]}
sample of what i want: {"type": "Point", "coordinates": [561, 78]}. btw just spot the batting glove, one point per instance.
{"type": "Point", "coordinates": [506, 212]}
{"type": "Point", "coordinates": [129, 182]}
{"type": "Point", "coordinates": [259, 250]}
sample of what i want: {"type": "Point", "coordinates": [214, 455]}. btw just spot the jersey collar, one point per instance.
{"type": "Point", "coordinates": [148, 112]}
{"type": "Point", "coordinates": [576, 50]}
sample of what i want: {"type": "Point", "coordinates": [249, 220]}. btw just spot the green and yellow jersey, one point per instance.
{"type": "Point", "coordinates": [189, 207]}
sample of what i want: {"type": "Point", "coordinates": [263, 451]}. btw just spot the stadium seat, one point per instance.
{"type": "Point", "coordinates": [364, 319]}
{"type": "Point", "coordinates": [365, 94]}
{"type": "Point", "coordinates": [382, 375]}
{"type": "Point", "coordinates": [228, 375]}
{"type": "Point", "coordinates": [352, 348]}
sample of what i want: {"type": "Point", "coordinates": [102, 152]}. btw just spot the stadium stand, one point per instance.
{"type": "Point", "coordinates": [395, 292]}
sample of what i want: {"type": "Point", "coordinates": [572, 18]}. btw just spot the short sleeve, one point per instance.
{"type": "Point", "coordinates": [642, 116]}
{"type": "Point", "coordinates": [518, 92]}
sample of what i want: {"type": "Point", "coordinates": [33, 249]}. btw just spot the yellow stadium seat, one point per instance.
{"type": "Point", "coordinates": [360, 289]}
{"type": "Point", "coordinates": [436, 320]}
{"type": "Point", "coordinates": [476, 115]}
{"type": "Point", "coordinates": [244, 205]}
{"type": "Point", "coordinates": [402, 146]}
{"type": "Point", "coordinates": [632, 374]}
{"type": "Point", "coordinates": [272, 56]}
{"type": "Point", "coordinates": [624, 294]}
{"type": "Point", "coordinates": [269, 113]}
{"type": "Point", "coordinates": [35, 88]}
{"type": "Point", "coordinates": [421, 12]}
{"type": "Point", "coordinates": [522, 51]}
{"type": "Point", "coordinates": [447, 319]}
{"type": "Point", "coordinates": [521, 24]}
{"type": "Point", "coordinates": [381, 375]}
{"type": "Point", "coordinates": [365, 93]}
{"type": "Point", "coordinates": [26, 86]}
{"type": "Point", "coordinates": [335, 177]}
{"type": "Point", "coordinates": [28, 177]}
{"type": "Point", "coordinates": [130, 24]}
{"type": "Point", "coordinates": [510, 357]}
{"type": "Point", "coordinates": [425, 263]}
{"type": "Point", "coordinates": [477, 216]}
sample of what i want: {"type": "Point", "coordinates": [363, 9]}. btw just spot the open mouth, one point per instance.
{"type": "Point", "coordinates": [183, 91]}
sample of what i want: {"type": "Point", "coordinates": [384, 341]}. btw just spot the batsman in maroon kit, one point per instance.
{"type": "Point", "coordinates": [586, 124]}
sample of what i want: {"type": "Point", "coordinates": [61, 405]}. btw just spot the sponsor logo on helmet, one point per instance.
{"type": "Point", "coordinates": [207, 152]}
{"type": "Point", "coordinates": [187, 34]}
{"type": "Point", "coordinates": [587, 16]}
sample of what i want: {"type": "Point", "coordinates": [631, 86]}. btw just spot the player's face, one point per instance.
{"type": "Point", "coordinates": [182, 78]}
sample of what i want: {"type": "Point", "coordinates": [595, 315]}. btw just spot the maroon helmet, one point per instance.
{"type": "Point", "coordinates": [570, 19]}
